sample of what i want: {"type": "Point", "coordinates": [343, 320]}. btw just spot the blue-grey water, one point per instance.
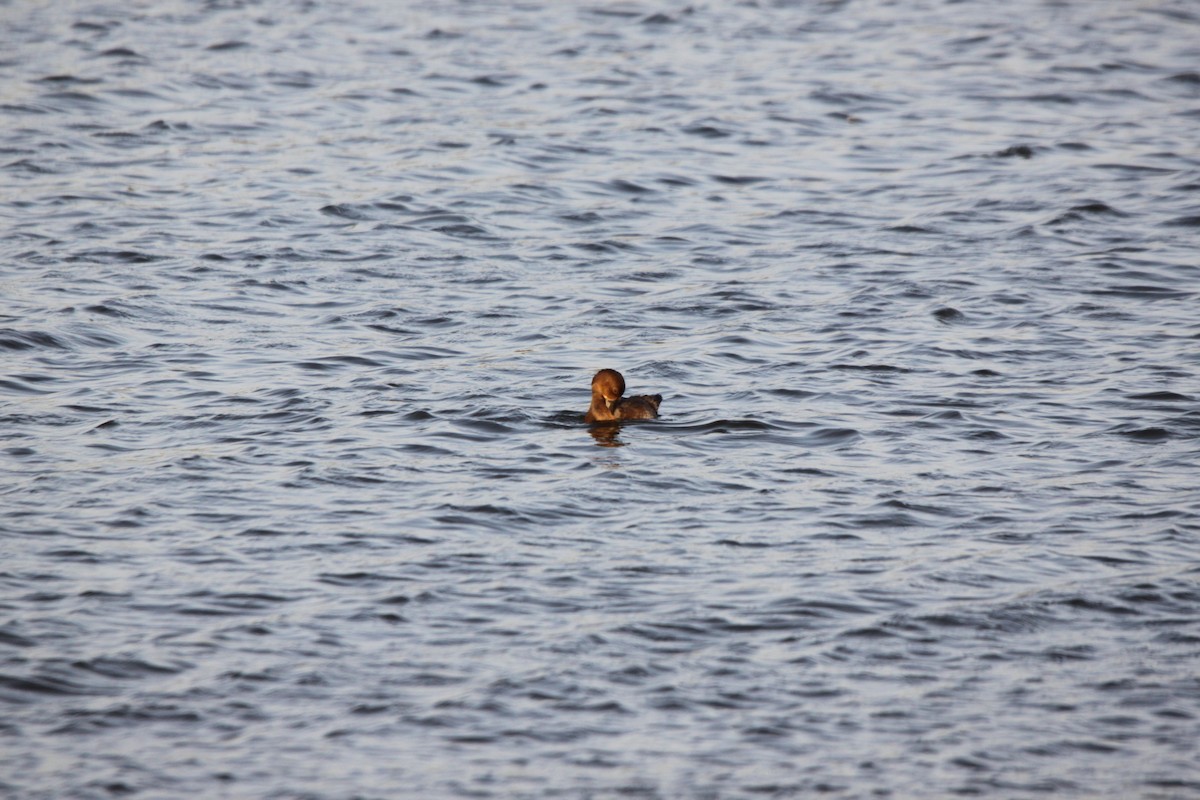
{"type": "Point", "coordinates": [299, 306]}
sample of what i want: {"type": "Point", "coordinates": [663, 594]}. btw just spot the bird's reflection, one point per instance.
{"type": "Point", "coordinates": [605, 435]}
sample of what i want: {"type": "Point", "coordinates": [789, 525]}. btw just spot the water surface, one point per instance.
{"type": "Point", "coordinates": [299, 304]}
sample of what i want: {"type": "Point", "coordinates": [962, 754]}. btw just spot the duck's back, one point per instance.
{"type": "Point", "coordinates": [644, 406]}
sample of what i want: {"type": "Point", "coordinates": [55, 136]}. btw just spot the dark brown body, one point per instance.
{"type": "Point", "coordinates": [608, 405]}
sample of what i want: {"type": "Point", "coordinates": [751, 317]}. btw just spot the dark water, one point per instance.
{"type": "Point", "coordinates": [299, 303]}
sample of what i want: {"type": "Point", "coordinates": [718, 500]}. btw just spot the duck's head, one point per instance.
{"type": "Point", "coordinates": [608, 384]}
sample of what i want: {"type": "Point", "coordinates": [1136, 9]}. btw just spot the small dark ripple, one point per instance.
{"type": "Point", "coordinates": [11, 339]}
{"type": "Point", "coordinates": [21, 690]}
{"type": "Point", "coordinates": [1162, 397]}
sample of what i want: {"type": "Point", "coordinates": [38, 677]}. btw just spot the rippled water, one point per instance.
{"type": "Point", "coordinates": [300, 304]}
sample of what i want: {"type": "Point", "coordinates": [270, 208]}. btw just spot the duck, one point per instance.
{"type": "Point", "coordinates": [608, 405]}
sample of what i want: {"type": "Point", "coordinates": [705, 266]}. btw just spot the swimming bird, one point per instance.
{"type": "Point", "coordinates": [608, 405]}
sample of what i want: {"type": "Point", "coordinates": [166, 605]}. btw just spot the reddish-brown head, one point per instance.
{"type": "Point", "coordinates": [609, 384]}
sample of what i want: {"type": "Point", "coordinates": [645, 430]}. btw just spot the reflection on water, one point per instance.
{"type": "Point", "coordinates": [298, 307]}
{"type": "Point", "coordinates": [606, 433]}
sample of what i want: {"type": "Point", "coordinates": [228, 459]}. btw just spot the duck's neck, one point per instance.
{"type": "Point", "coordinates": [600, 409]}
